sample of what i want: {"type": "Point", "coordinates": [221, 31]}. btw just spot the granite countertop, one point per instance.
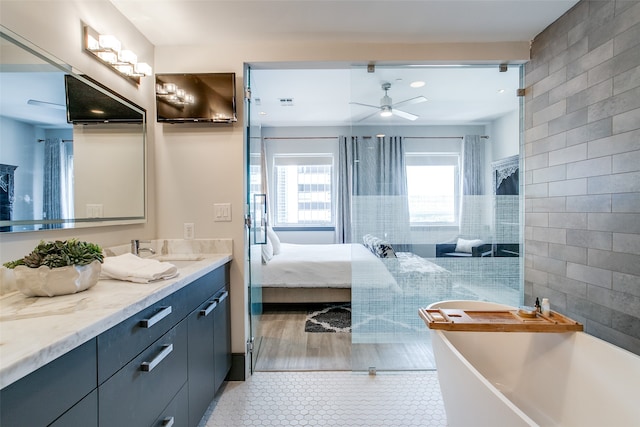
{"type": "Point", "coordinates": [36, 330]}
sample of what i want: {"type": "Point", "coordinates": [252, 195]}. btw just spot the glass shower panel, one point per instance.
{"type": "Point", "coordinates": [430, 238]}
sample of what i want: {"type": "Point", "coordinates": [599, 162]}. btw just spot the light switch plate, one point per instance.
{"type": "Point", "coordinates": [189, 231]}
{"type": "Point", "coordinates": [222, 212]}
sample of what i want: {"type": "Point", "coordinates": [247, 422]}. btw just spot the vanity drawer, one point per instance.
{"type": "Point", "coordinates": [176, 414]}
{"type": "Point", "coordinates": [123, 342]}
{"type": "Point", "coordinates": [139, 392]}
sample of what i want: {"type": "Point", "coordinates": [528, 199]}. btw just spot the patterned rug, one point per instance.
{"type": "Point", "coordinates": [330, 318]}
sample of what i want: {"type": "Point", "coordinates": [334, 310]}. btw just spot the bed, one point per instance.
{"type": "Point", "coordinates": [321, 273]}
{"type": "Point", "coordinates": [331, 272]}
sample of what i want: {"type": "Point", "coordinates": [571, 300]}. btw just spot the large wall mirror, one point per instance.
{"type": "Point", "coordinates": [72, 152]}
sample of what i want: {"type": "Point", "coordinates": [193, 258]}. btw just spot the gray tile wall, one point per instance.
{"type": "Point", "coordinates": [582, 169]}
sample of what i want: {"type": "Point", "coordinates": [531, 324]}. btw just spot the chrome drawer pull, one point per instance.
{"type": "Point", "coordinates": [148, 366]}
{"type": "Point", "coordinates": [167, 422]}
{"type": "Point", "coordinates": [147, 323]}
{"type": "Point", "coordinates": [222, 297]}
{"type": "Point", "coordinates": [209, 309]}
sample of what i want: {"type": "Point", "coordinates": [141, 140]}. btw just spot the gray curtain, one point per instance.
{"type": "Point", "coordinates": [53, 181]}
{"type": "Point", "coordinates": [472, 203]}
{"type": "Point", "coordinates": [372, 175]}
{"type": "Point", "coordinates": [473, 165]}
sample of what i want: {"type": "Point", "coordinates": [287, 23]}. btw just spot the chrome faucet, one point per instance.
{"type": "Point", "coordinates": [136, 249]}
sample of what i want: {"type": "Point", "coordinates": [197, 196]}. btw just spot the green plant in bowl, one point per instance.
{"type": "Point", "coordinates": [58, 268]}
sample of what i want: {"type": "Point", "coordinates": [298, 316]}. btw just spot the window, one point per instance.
{"type": "Point", "coordinates": [303, 190]}
{"type": "Point", "coordinates": [433, 187]}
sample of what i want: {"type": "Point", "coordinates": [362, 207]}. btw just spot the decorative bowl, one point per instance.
{"type": "Point", "coordinates": [44, 281]}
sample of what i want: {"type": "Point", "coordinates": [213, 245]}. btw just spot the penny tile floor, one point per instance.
{"type": "Point", "coordinates": [327, 398]}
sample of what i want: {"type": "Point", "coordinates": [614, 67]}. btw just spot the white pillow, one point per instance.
{"type": "Point", "coordinates": [467, 245]}
{"type": "Point", "coordinates": [267, 251]}
{"type": "Point", "coordinates": [275, 240]}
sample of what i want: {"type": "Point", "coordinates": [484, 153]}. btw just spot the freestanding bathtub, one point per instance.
{"type": "Point", "coordinates": [534, 379]}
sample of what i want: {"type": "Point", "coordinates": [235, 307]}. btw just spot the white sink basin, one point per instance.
{"type": "Point", "coordinates": [179, 260]}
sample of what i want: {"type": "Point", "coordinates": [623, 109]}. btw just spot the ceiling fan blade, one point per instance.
{"type": "Point", "coordinates": [404, 114]}
{"type": "Point", "coordinates": [365, 105]}
{"type": "Point", "coordinates": [416, 100]}
{"type": "Point", "coordinates": [362, 119]}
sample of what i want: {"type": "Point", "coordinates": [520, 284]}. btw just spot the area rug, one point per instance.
{"type": "Point", "coordinates": [330, 318]}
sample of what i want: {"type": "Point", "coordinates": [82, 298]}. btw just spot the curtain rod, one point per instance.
{"type": "Point", "coordinates": [441, 137]}
{"type": "Point", "coordinates": [63, 140]}
{"type": "Point", "coordinates": [300, 137]}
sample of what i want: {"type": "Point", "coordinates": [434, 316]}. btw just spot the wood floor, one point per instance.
{"type": "Point", "coordinates": [283, 345]}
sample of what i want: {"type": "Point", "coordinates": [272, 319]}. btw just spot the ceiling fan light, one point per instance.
{"type": "Point", "coordinates": [417, 83]}
{"type": "Point", "coordinates": [385, 111]}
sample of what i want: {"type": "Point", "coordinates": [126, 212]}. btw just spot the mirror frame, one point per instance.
{"type": "Point", "coordinates": [71, 223]}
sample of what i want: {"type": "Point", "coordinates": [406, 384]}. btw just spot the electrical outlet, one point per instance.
{"type": "Point", "coordinates": [189, 231]}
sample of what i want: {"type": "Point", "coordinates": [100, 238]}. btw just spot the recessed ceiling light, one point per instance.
{"type": "Point", "coordinates": [262, 113]}
{"type": "Point", "coordinates": [417, 84]}
{"type": "Point", "coordinates": [500, 90]}
{"type": "Point", "coordinates": [380, 135]}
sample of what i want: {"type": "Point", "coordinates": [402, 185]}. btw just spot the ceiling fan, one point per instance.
{"type": "Point", "coordinates": [388, 108]}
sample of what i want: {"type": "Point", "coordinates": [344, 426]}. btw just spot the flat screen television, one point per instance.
{"type": "Point", "coordinates": [86, 104]}
{"type": "Point", "coordinates": [203, 97]}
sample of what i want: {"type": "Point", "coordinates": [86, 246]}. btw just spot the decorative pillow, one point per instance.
{"type": "Point", "coordinates": [275, 240]}
{"type": "Point", "coordinates": [466, 245]}
{"type": "Point", "coordinates": [267, 251]}
{"type": "Point", "coordinates": [378, 247]}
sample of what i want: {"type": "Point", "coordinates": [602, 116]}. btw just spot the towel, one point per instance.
{"type": "Point", "coordinates": [135, 269]}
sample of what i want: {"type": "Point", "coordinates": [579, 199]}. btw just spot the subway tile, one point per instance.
{"type": "Point", "coordinates": [538, 132]}
{"type": "Point", "coordinates": [626, 39]}
{"type": "Point", "coordinates": [627, 80]}
{"type": "Point", "coordinates": [550, 143]}
{"type": "Point", "coordinates": [537, 248]}
{"type": "Point", "coordinates": [601, 72]}
{"type": "Point", "coordinates": [626, 162]}
{"type": "Point", "coordinates": [572, 221]}
{"type": "Point", "coordinates": [614, 222]}
{"type": "Point", "coordinates": [591, 203]}
{"type": "Point", "coordinates": [536, 104]}
{"type": "Point", "coordinates": [615, 261]}
{"type": "Point", "coordinates": [596, 56]}
{"type": "Point", "coordinates": [569, 121]}
{"type": "Point", "coordinates": [626, 242]}
{"type": "Point", "coordinates": [575, 254]}
{"type": "Point", "coordinates": [590, 239]}
{"type": "Point", "coordinates": [615, 337]}
{"type": "Point", "coordinates": [624, 62]}
{"type": "Point", "coordinates": [570, 154]}
{"type": "Point", "coordinates": [570, 87]}
{"type": "Point", "coordinates": [551, 81]}
{"type": "Point", "coordinates": [536, 190]}
{"type": "Point", "coordinates": [588, 274]}
{"type": "Point", "coordinates": [534, 74]}
{"type": "Point", "coordinates": [554, 173]}
{"type": "Point", "coordinates": [626, 283]}
{"type": "Point", "coordinates": [591, 167]}
{"type": "Point", "coordinates": [626, 321]}
{"type": "Point", "coordinates": [617, 104]}
{"type": "Point", "coordinates": [627, 121]}
{"type": "Point", "coordinates": [627, 20]}
{"type": "Point", "coordinates": [589, 132]}
{"type": "Point", "coordinates": [577, 36]}
{"type": "Point", "coordinates": [628, 182]}
{"type": "Point", "coordinates": [551, 235]}
{"type": "Point", "coordinates": [589, 96]}
{"type": "Point", "coordinates": [615, 144]}
{"type": "Point", "coordinates": [625, 203]}
{"type": "Point", "coordinates": [537, 220]}
{"type": "Point", "coordinates": [574, 288]}
{"type": "Point", "coordinates": [549, 113]}
{"type": "Point", "coordinates": [547, 204]}
{"type": "Point", "coordinates": [538, 161]}
{"type": "Point", "coordinates": [550, 265]}
{"type": "Point", "coordinates": [570, 187]}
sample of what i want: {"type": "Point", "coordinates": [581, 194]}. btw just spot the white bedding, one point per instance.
{"type": "Point", "coordinates": [328, 266]}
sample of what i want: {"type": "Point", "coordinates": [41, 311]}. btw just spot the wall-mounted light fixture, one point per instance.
{"type": "Point", "coordinates": [108, 50]}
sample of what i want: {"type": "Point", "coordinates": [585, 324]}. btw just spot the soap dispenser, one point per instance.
{"type": "Point", "coordinates": [546, 307]}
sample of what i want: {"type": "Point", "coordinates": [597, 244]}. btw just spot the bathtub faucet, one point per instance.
{"type": "Point", "coordinates": [136, 249]}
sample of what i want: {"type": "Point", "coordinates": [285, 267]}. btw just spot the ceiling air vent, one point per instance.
{"type": "Point", "coordinates": [286, 102]}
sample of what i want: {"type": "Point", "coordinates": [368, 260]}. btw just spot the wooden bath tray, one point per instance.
{"type": "Point", "coordinates": [496, 321]}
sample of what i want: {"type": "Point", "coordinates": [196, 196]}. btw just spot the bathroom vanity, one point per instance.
{"type": "Point", "coordinates": [119, 354]}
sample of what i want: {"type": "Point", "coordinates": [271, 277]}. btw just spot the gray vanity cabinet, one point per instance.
{"type": "Point", "coordinates": [52, 391]}
{"type": "Point", "coordinates": [208, 337]}
{"type": "Point", "coordinates": [160, 367]}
